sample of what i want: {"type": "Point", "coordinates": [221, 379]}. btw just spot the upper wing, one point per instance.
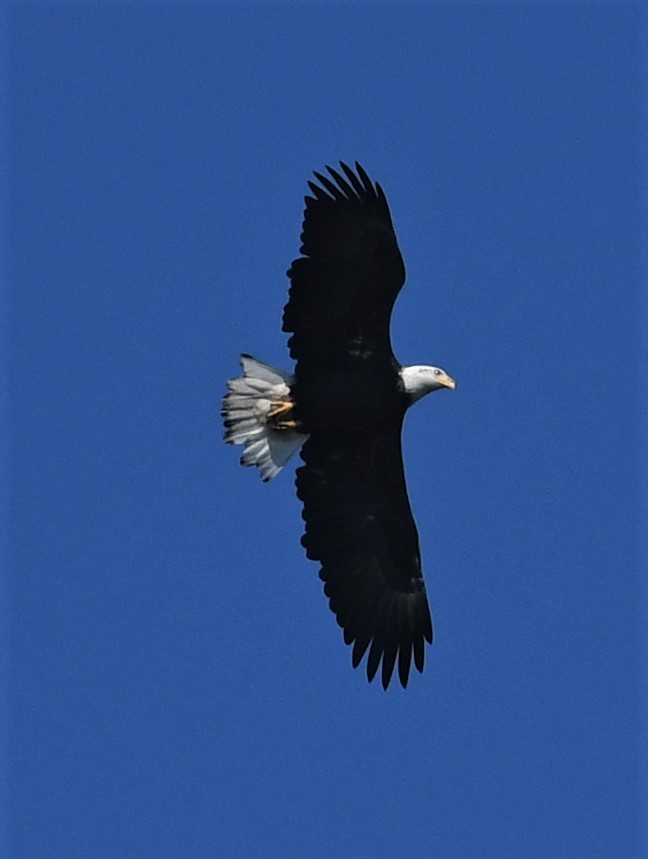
{"type": "Point", "coordinates": [359, 525]}
{"type": "Point", "coordinates": [344, 287]}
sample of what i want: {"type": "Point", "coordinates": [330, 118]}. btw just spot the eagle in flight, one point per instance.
{"type": "Point", "coordinates": [343, 406]}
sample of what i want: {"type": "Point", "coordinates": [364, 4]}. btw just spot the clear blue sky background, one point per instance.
{"type": "Point", "coordinates": [178, 686]}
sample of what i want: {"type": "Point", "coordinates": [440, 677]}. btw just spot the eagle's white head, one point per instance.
{"type": "Point", "coordinates": [420, 380]}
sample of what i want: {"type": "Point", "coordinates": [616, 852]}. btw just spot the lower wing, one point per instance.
{"type": "Point", "coordinates": [359, 525]}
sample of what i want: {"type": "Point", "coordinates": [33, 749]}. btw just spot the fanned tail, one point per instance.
{"type": "Point", "coordinates": [246, 407]}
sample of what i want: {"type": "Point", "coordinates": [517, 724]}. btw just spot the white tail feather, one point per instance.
{"type": "Point", "coordinates": [245, 409]}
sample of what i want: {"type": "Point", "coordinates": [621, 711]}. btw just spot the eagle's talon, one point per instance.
{"type": "Point", "coordinates": [279, 409]}
{"type": "Point", "coordinates": [285, 425]}
{"type": "Point", "coordinates": [280, 417]}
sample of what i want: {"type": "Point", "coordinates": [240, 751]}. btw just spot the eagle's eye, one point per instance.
{"type": "Point", "coordinates": [437, 372]}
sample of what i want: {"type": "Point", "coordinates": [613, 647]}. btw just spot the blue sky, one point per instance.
{"type": "Point", "coordinates": [177, 685]}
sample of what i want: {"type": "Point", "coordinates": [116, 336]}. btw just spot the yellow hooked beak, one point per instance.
{"type": "Point", "coordinates": [447, 381]}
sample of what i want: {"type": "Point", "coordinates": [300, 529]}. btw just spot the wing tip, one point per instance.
{"type": "Point", "coordinates": [357, 185]}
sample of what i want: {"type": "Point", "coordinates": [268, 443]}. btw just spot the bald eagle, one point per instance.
{"type": "Point", "coordinates": [343, 406]}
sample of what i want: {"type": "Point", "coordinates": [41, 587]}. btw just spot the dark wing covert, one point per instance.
{"type": "Point", "coordinates": [344, 287]}
{"type": "Point", "coordinates": [359, 525]}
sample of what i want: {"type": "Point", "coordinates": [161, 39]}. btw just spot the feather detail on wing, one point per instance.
{"type": "Point", "coordinates": [344, 286]}
{"type": "Point", "coordinates": [360, 527]}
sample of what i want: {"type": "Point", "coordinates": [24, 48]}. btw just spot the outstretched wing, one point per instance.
{"type": "Point", "coordinates": [344, 286]}
{"type": "Point", "coordinates": [359, 525]}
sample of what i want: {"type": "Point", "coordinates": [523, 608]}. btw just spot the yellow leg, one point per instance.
{"type": "Point", "coordinates": [279, 409]}
{"type": "Point", "coordinates": [280, 418]}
